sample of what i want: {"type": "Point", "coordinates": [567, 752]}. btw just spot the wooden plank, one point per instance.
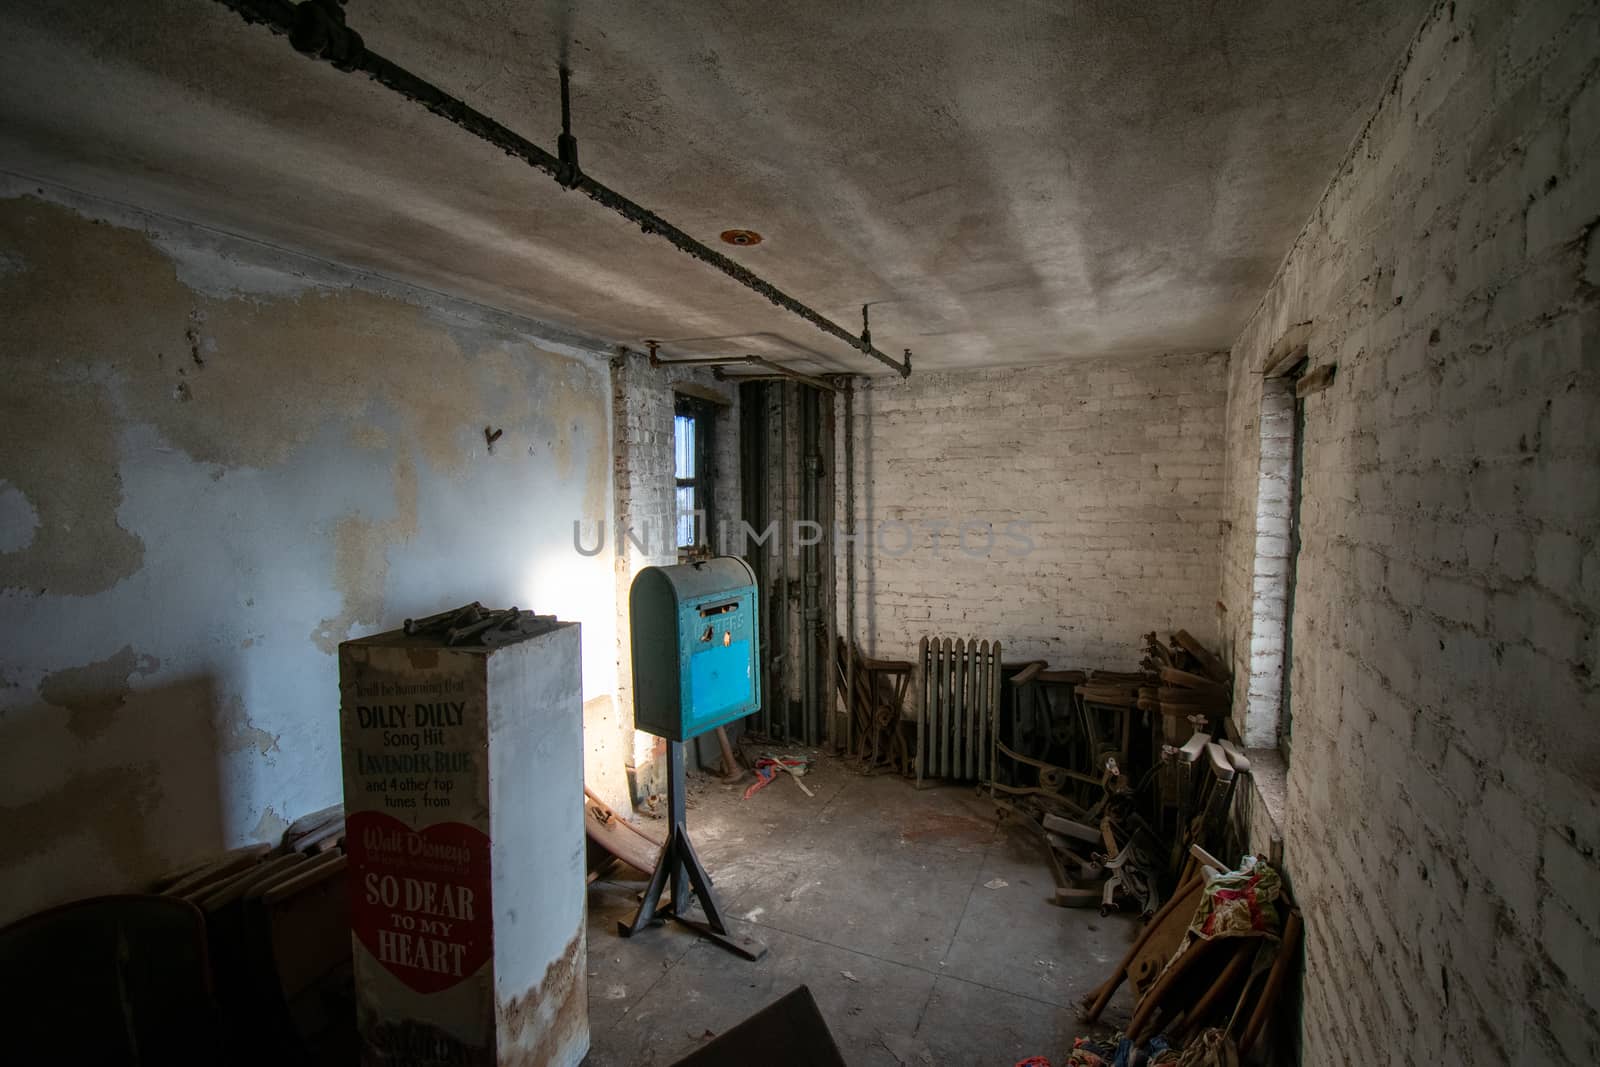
{"type": "Point", "coordinates": [1171, 694]}
{"type": "Point", "coordinates": [1240, 761]}
{"type": "Point", "coordinates": [216, 870]}
{"type": "Point", "coordinates": [307, 874]}
{"type": "Point", "coordinates": [1220, 766]}
{"type": "Point", "coordinates": [1315, 381]}
{"type": "Point", "coordinates": [1183, 902]}
{"type": "Point", "coordinates": [1029, 673]}
{"type": "Point", "coordinates": [311, 823]}
{"type": "Point", "coordinates": [1193, 747]}
{"type": "Point", "coordinates": [307, 919]}
{"type": "Point", "coordinates": [618, 836]}
{"type": "Point", "coordinates": [1289, 351]}
{"type": "Point", "coordinates": [229, 890]}
{"type": "Point", "coordinates": [1071, 828]}
{"type": "Point", "coordinates": [1275, 980]}
{"type": "Point", "coordinates": [1208, 663]}
{"type": "Point", "coordinates": [1185, 680]}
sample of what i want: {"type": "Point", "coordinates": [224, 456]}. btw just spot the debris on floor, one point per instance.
{"type": "Point", "coordinates": [768, 766]}
{"type": "Point", "coordinates": [873, 692]}
{"type": "Point", "coordinates": [1125, 782]}
{"type": "Point", "coordinates": [1115, 775]}
{"type": "Point", "coordinates": [1215, 959]}
{"type": "Point", "coordinates": [619, 837]}
{"type": "Point", "coordinates": [243, 956]}
{"type": "Point", "coordinates": [1211, 1049]}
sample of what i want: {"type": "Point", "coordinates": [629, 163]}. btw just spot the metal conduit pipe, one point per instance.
{"type": "Point", "coordinates": [797, 640]}
{"type": "Point", "coordinates": [778, 374]}
{"type": "Point", "coordinates": [849, 563]}
{"type": "Point", "coordinates": [830, 600]}
{"type": "Point", "coordinates": [802, 379]}
{"type": "Point", "coordinates": [317, 28]}
{"type": "Point", "coordinates": [700, 361]}
{"type": "Point", "coordinates": [756, 456]}
{"type": "Point", "coordinates": [718, 363]}
{"type": "Point", "coordinates": [811, 577]}
{"type": "Point", "coordinates": [783, 555]}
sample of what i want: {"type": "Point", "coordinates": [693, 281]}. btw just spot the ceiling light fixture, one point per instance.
{"type": "Point", "coordinates": [741, 237]}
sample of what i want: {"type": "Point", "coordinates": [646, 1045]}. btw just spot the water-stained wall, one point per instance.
{"type": "Point", "coordinates": [218, 462]}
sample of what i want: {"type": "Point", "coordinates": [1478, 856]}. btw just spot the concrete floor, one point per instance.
{"type": "Point", "coordinates": [876, 895]}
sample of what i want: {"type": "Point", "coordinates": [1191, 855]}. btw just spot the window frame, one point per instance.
{"type": "Point", "coordinates": [703, 414]}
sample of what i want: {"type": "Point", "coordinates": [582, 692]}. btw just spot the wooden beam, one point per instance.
{"type": "Point", "coordinates": [1288, 352]}
{"type": "Point", "coordinates": [1315, 381]}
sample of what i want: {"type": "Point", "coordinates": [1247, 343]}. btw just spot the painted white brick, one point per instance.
{"type": "Point", "coordinates": [1576, 952]}
{"type": "Point", "coordinates": [1573, 878]}
{"type": "Point", "coordinates": [1116, 467]}
{"type": "Point", "coordinates": [1445, 613]}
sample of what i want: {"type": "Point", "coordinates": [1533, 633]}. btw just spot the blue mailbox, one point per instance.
{"type": "Point", "coordinates": [696, 647]}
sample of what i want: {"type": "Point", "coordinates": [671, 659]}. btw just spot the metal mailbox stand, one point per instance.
{"type": "Point", "coordinates": [679, 863]}
{"type": "Point", "coordinates": [695, 636]}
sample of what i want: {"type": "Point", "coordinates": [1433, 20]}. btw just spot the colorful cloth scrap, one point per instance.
{"type": "Point", "coordinates": [1240, 903]}
{"type": "Point", "coordinates": [767, 768]}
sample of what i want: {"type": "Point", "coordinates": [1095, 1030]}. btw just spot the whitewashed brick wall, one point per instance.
{"type": "Point", "coordinates": [1270, 572]}
{"type": "Point", "coordinates": [1442, 812]}
{"type": "Point", "coordinates": [1115, 467]}
{"type": "Point", "coordinates": [643, 407]}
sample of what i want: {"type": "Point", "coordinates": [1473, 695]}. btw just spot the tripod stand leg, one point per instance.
{"type": "Point", "coordinates": [650, 911]}
{"type": "Point", "coordinates": [679, 865]}
{"type": "Point", "coordinates": [702, 883]}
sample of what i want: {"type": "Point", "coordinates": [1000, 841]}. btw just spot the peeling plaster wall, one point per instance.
{"type": "Point", "coordinates": [1439, 818]}
{"type": "Point", "coordinates": [221, 460]}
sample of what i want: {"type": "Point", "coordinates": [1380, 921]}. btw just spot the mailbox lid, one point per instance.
{"type": "Point", "coordinates": [707, 577]}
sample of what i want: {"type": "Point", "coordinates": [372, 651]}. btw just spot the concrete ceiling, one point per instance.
{"type": "Point", "coordinates": [1008, 183]}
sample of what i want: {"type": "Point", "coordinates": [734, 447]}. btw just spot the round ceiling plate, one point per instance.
{"type": "Point", "coordinates": [741, 237]}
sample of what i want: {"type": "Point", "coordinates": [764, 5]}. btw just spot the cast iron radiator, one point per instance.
{"type": "Point", "coordinates": [957, 693]}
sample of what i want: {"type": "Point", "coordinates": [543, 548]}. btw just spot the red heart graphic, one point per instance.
{"type": "Point", "coordinates": [420, 900]}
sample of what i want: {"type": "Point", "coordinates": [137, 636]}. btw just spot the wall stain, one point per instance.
{"type": "Point", "coordinates": [534, 1027]}
{"type": "Point", "coordinates": [260, 378]}
{"type": "Point", "coordinates": [270, 827]}
{"type": "Point", "coordinates": [102, 338]}
{"type": "Point", "coordinates": [235, 731]}
{"type": "Point", "coordinates": [361, 560]}
{"type": "Point", "coordinates": [112, 804]}
{"type": "Point", "coordinates": [367, 435]}
{"type": "Point", "coordinates": [93, 693]}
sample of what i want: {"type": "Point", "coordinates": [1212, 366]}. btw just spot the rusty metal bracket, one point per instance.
{"type": "Point", "coordinates": [566, 144]}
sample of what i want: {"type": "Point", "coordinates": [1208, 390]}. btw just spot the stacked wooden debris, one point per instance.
{"type": "Point", "coordinates": [1101, 853]}
{"type": "Point", "coordinates": [278, 932]}
{"type": "Point", "coordinates": [312, 835]}
{"type": "Point", "coordinates": [1197, 980]}
{"type": "Point", "coordinates": [879, 732]}
{"type": "Point", "coordinates": [1199, 789]}
{"type": "Point", "coordinates": [1183, 679]}
{"type": "Point", "coordinates": [1117, 689]}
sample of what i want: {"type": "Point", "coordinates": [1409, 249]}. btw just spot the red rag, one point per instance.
{"type": "Point", "coordinates": [766, 774]}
